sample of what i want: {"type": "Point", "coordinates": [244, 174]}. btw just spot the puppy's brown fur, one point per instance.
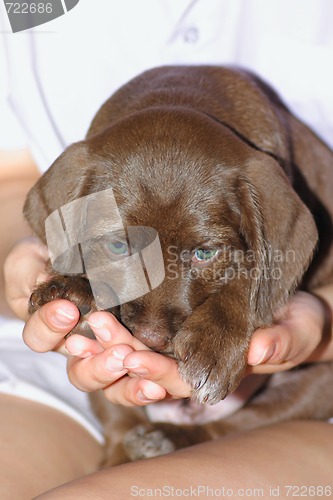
{"type": "Point", "coordinates": [210, 158]}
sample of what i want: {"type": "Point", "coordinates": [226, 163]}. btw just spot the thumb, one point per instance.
{"type": "Point", "coordinates": [272, 350]}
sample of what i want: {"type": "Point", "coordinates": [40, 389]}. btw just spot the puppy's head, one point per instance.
{"type": "Point", "coordinates": [228, 221]}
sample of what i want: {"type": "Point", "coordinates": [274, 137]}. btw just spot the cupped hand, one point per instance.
{"type": "Point", "coordinates": [130, 373]}
{"type": "Point", "coordinates": [127, 371]}
{"type": "Point", "coordinates": [25, 267]}
{"type": "Point", "coordinates": [302, 333]}
{"type": "Point", "coordinates": [46, 329]}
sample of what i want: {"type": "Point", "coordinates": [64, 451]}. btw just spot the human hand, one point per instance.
{"type": "Point", "coordinates": [297, 337]}
{"type": "Point", "coordinates": [302, 333]}
{"type": "Point", "coordinates": [127, 371]}
{"type": "Point", "coordinates": [291, 341]}
{"type": "Point", "coordinates": [24, 268]}
{"type": "Point", "coordinates": [46, 329]}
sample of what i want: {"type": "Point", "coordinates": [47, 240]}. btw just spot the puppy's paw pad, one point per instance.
{"type": "Point", "coordinates": [146, 442]}
{"type": "Point", "coordinates": [44, 293]}
{"type": "Point", "coordinates": [62, 287]}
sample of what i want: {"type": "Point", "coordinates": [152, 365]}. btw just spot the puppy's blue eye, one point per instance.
{"type": "Point", "coordinates": [118, 247]}
{"type": "Point", "coordinates": [204, 255]}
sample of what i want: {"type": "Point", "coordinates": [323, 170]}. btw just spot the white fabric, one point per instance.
{"type": "Point", "coordinates": [54, 78]}
{"type": "Point", "coordinates": [58, 74]}
{"type": "Point", "coordinates": [42, 378]}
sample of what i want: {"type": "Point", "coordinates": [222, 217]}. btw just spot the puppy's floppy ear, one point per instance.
{"type": "Point", "coordinates": [65, 181]}
{"type": "Point", "coordinates": [279, 229]}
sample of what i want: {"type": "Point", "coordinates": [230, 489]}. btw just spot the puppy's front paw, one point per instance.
{"type": "Point", "coordinates": [73, 288]}
{"type": "Point", "coordinates": [210, 359]}
{"type": "Point", "coordinates": [159, 438]}
{"type": "Point", "coordinates": [146, 441]}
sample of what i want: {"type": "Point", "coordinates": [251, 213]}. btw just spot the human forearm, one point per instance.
{"type": "Point", "coordinates": [15, 182]}
{"type": "Point", "coordinates": [12, 225]}
{"type": "Point", "coordinates": [324, 351]}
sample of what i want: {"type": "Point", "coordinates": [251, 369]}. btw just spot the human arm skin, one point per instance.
{"type": "Point", "coordinates": [18, 173]}
{"type": "Point", "coordinates": [324, 351]}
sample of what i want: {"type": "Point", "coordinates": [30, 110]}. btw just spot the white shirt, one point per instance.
{"type": "Point", "coordinates": [53, 78]}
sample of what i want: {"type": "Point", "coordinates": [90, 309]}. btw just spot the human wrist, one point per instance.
{"type": "Point", "coordinates": [324, 299]}
{"type": "Point", "coordinates": [24, 266]}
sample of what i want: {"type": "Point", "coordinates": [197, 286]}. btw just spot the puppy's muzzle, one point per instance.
{"type": "Point", "coordinates": [151, 338]}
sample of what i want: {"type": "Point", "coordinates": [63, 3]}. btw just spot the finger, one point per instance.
{"type": "Point", "coordinates": [47, 327]}
{"type": "Point", "coordinates": [134, 392]}
{"type": "Point", "coordinates": [268, 346]}
{"type": "Point", "coordinates": [276, 349]}
{"type": "Point", "coordinates": [98, 371]}
{"type": "Point", "coordinates": [82, 347]}
{"type": "Point", "coordinates": [109, 331]}
{"type": "Point", "coordinates": [293, 340]}
{"type": "Point", "coordinates": [159, 369]}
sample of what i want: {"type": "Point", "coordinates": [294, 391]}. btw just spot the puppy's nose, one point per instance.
{"type": "Point", "coordinates": [153, 339]}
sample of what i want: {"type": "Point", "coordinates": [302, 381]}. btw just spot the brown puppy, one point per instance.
{"type": "Point", "coordinates": [237, 190]}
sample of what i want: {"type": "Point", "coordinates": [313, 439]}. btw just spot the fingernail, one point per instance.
{"type": "Point", "coordinates": [144, 399]}
{"type": "Point", "coordinates": [100, 330]}
{"type": "Point", "coordinates": [140, 371]}
{"type": "Point", "coordinates": [81, 354]}
{"type": "Point", "coordinates": [103, 334]}
{"type": "Point", "coordinates": [265, 356]}
{"type": "Point", "coordinates": [63, 317]}
{"type": "Point", "coordinates": [149, 393]}
{"type": "Point", "coordinates": [114, 362]}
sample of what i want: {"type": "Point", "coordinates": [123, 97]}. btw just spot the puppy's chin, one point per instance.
{"type": "Point", "coordinates": [154, 339]}
{"type": "Point", "coordinates": [150, 331]}
{"type": "Point", "coordinates": [153, 321]}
